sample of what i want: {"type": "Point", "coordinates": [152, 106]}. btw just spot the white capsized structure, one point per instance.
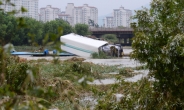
{"type": "Point", "coordinates": [80, 45]}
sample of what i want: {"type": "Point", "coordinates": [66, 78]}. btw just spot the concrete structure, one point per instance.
{"type": "Point", "coordinates": [69, 9]}
{"type": "Point", "coordinates": [30, 5]}
{"type": "Point", "coordinates": [72, 14]}
{"type": "Point", "coordinates": [32, 8]}
{"type": "Point", "coordinates": [109, 23]}
{"type": "Point", "coordinates": [81, 14]}
{"type": "Point", "coordinates": [8, 8]}
{"type": "Point", "coordinates": [49, 13]}
{"type": "Point", "coordinates": [121, 17]}
{"type": "Point", "coordinates": [124, 35]}
{"type": "Point", "coordinates": [66, 17]}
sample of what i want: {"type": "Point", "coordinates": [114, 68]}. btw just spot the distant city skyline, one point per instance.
{"type": "Point", "coordinates": [104, 7]}
{"type": "Point", "coordinates": [30, 5]}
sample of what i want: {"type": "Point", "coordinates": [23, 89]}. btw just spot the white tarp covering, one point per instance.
{"type": "Point", "coordinates": [80, 45]}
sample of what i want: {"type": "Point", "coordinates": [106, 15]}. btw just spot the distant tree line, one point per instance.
{"type": "Point", "coordinates": [10, 31]}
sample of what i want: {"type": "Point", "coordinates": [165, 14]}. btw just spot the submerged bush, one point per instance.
{"type": "Point", "coordinates": [100, 55]}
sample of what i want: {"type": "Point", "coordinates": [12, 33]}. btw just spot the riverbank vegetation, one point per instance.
{"type": "Point", "coordinates": [23, 31]}
{"type": "Point", "coordinates": [158, 41]}
{"type": "Point", "coordinates": [43, 84]}
{"type": "Point", "coordinates": [48, 84]}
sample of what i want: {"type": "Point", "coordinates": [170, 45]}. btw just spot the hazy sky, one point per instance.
{"type": "Point", "coordinates": [104, 7]}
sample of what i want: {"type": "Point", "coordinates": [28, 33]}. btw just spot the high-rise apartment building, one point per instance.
{"type": "Point", "coordinates": [8, 8]}
{"type": "Point", "coordinates": [72, 14]}
{"type": "Point", "coordinates": [49, 13]}
{"type": "Point", "coordinates": [32, 8]}
{"type": "Point", "coordinates": [81, 14]}
{"type": "Point", "coordinates": [121, 17]}
{"type": "Point", "coordinates": [66, 17]}
{"type": "Point", "coordinates": [30, 5]}
{"type": "Point", "coordinates": [109, 23]}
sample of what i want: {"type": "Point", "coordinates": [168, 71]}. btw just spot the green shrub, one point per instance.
{"type": "Point", "coordinates": [16, 74]}
{"type": "Point", "coordinates": [100, 55]}
{"type": "Point", "coordinates": [110, 38]}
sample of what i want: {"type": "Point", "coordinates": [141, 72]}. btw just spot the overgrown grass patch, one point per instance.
{"type": "Point", "coordinates": [75, 70]}
{"type": "Point", "coordinates": [61, 86]}
{"type": "Point", "coordinates": [127, 72]}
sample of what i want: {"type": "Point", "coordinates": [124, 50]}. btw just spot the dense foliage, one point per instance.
{"type": "Point", "coordinates": [159, 42]}
{"type": "Point", "coordinates": [82, 29]}
{"type": "Point", "coordinates": [110, 38]}
{"type": "Point", "coordinates": [51, 27]}
{"type": "Point", "coordinates": [92, 23]}
{"type": "Point", "coordinates": [31, 29]}
{"type": "Point", "coordinates": [100, 55]}
{"type": "Point", "coordinates": [7, 28]}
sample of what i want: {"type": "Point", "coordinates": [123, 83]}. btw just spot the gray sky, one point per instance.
{"type": "Point", "coordinates": [105, 7]}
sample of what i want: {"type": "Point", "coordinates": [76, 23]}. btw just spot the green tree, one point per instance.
{"type": "Point", "coordinates": [82, 29]}
{"type": "Point", "coordinates": [110, 38]}
{"type": "Point", "coordinates": [52, 26]}
{"type": "Point", "coordinates": [92, 23]}
{"type": "Point", "coordinates": [159, 42]}
{"type": "Point", "coordinates": [11, 32]}
{"type": "Point", "coordinates": [8, 26]}
{"type": "Point", "coordinates": [32, 28]}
